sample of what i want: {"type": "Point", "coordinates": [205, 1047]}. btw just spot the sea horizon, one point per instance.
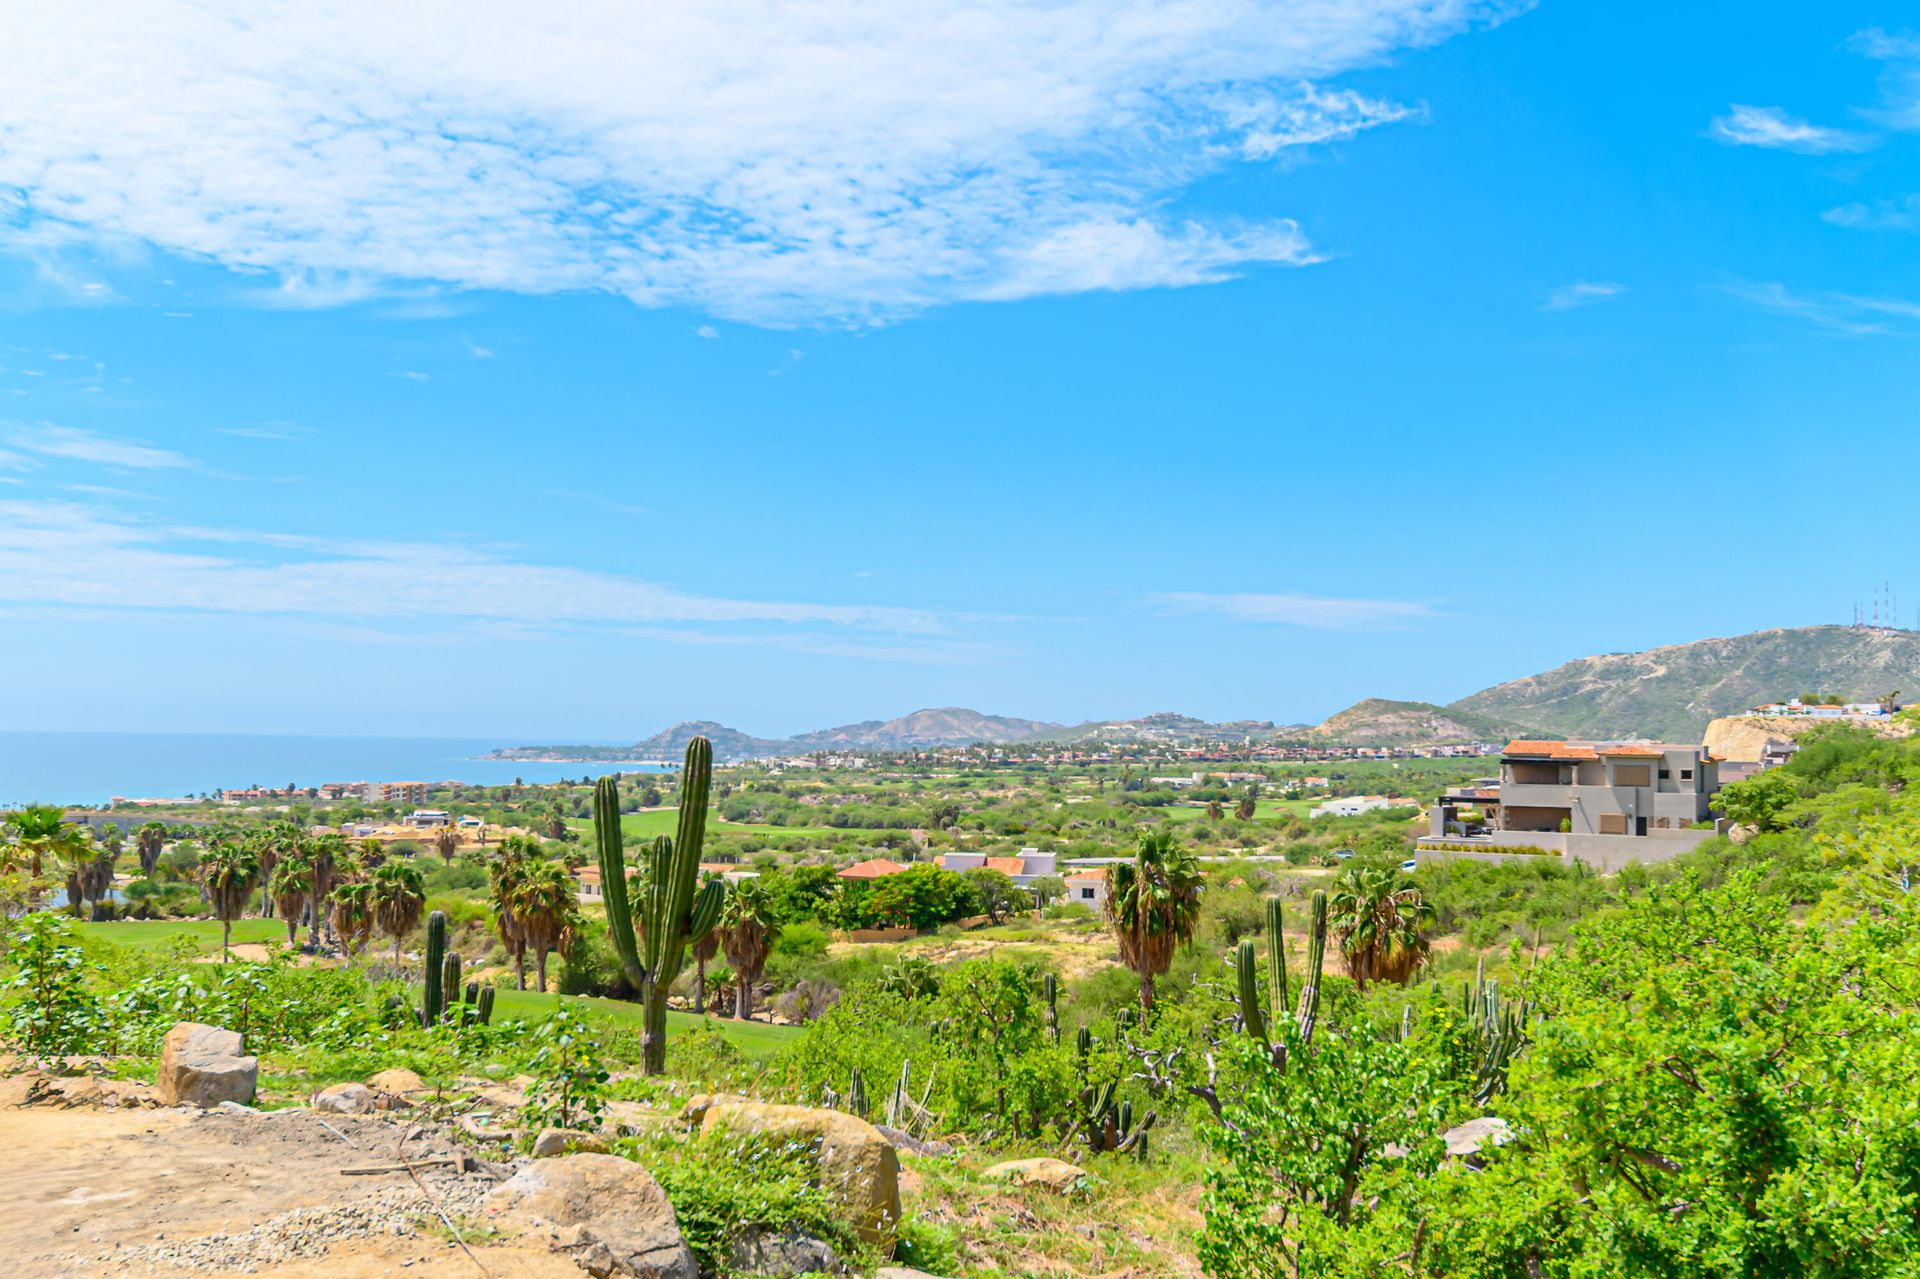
{"type": "Point", "coordinates": [79, 768]}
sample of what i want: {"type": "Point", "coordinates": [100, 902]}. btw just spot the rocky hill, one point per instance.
{"type": "Point", "coordinates": [1168, 727]}
{"type": "Point", "coordinates": [1746, 737]}
{"type": "Point", "coordinates": [1380, 722]}
{"type": "Point", "coordinates": [1673, 691]}
{"type": "Point", "coordinates": [940, 726]}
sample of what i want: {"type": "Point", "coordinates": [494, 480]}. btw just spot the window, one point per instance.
{"type": "Point", "coordinates": [1664, 774]}
{"type": "Point", "coordinates": [1686, 774]}
{"type": "Point", "coordinates": [1086, 894]}
{"type": "Point", "coordinates": [1613, 823]}
{"type": "Point", "coordinates": [1632, 775]}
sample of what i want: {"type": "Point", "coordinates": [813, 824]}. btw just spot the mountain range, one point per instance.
{"type": "Point", "coordinates": [1669, 692]}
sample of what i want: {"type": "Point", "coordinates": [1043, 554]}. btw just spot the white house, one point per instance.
{"type": "Point", "coordinates": [1022, 868]}
{"type": "Point", "coordinates": [1089, 888]}
{"type": "Point", "coordinates": [1354, 805]}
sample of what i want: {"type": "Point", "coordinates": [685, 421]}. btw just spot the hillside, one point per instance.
{"type": "Point", "coordinates": [1674, 691]}
{"type": "Point", "coordinates": [1169, 727]}
{"type": "Point", "coordinates": [940, 726]}
{"type": "Point", "coordinates": [1380, 722]}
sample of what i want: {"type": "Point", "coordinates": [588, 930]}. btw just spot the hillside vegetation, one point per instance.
{"type": "Point", "coordinates": [1378, 721]}
{"type": "Point", "coordinates": [1673, 691]}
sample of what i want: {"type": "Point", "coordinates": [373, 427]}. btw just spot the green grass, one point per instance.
{"type": "Point", "coordinates": [754, 1038]}
{"type": "Point", "coordinates": [160, 934]}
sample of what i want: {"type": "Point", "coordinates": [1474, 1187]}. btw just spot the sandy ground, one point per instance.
{"type": "Point", "coordinates": [148, 1192]}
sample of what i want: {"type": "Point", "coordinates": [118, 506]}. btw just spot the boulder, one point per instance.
{"type": "Point", "coordinates": [344, 1099]}
{"type": "Point", "coordinates": [911, 1144]}
{"type": "Point", "coordinates": [701, 1102]}
{"type": "Point", "coordinates": [398, 1080]}
{"type": "Point", "coordinates": [1053, 1174]}
{"type": "Point", "coordinates": [562, 1141]}
{"type": "Point", "coordinates": [604, 1211]}
{"type": "Point", "coordinates": [774, 1250]}
{"type": "Point", "coordinates": [855, 1165]}
{"type": "Point", "coordinates": [203, 1066]}
{"type": "Point", "coordinates": [1475, 1135]}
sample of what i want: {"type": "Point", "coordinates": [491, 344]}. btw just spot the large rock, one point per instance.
{"type": "Point", "coordinates": [344, 1099]}
{"type": "Point", "coordinates": [1054, 1174]}
{"type": "Point", "coordinates": [782, 1251]}
{"type": "Point", "coordinates": [605, 1211]}
{"type": "Point", "coordinates": [398, 1080]}
{"type": "Point", "coordinates": [553, 1142]}
{"type": "Point", "coordinates": [854, 1164]}
{"type": "Point", "coordinates": [203, 1066]}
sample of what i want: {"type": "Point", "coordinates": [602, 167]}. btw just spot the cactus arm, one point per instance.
{"type": "Point", "coordinates": [707, 905]}
{"type": "Point", "coordinates": [1316, 962]}
{"type": "Point", "coordinates": [613, 879]}
{"type": "Point", "coordinates": [1276, 960]}
{"type": "Point", "coordinates": [433, 992]}
{"type": "Point", "coordinates": [450, 984]}
{"type": "Point", "coordinates": [1247, 990]}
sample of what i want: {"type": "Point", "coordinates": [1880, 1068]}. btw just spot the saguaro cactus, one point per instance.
{"type": "Point", "coordinates": [485, 1006]}
{"type": "Point", "coordinates": [450, 986]}
{"type": "Point", "coordinates": [433, 997]}
{"type": "Point", "coordinates": [1260, 1018]}
{"type": "Point", "coordinates": [673, 909]}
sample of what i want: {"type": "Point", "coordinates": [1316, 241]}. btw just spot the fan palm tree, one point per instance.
{"type": "Point", "coordinates": [150, 841]}
{"type": "Point", "coordinates": [40, 832]}
{"type": "Point", "coordinates": [1379, 918]}
{"type": "Point", "coordinates": [1153, 906]}
{"type": "Point", "coordinates": [94, 880]}
{"type": "Point", "coordinates": [350, 912]}
{"type": "Point", "coordinates": [292, 890]}
{"type": "Point", "coordinates": [396, 897]}
{"type": "Point", "coordinates": [446, 842]}
{"type": "Point", "coordinates": [543, 908]}
{"type": "Point", "coordinates": [228, 873]}
{"type": "Point", "coordinates": [325, 854]}
{"type": "Point", "coordinates": [503, 888]}
{"type": "Point", "coordinates": [749, 925]}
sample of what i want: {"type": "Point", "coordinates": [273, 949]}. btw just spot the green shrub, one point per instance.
{"type": "Point", "coordinates": [722, 1183]}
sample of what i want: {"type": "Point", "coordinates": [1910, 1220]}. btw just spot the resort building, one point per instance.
{"type": "Point", "coordinates": [1354, 805]}
{"type": "Point", "coordinates": [1606, 803]}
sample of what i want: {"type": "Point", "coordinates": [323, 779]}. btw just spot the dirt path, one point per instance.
{"type": "Point", "coordinates": [143, 1192]}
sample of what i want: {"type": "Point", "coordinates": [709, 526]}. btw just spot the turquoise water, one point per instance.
{"type": "Point", "coordinates": [89, 768]}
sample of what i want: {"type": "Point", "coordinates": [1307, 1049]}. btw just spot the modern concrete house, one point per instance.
{"type": "Point", "coordinates": [1605, 803]}
{"type": "Point", "coordinates": [1023, 868]}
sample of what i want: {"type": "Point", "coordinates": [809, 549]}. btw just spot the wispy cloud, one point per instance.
{"type": "Point", "coordinates": [412, 375]}
{"type": "Point", "coordinates": [707, 331]}
{"type": "Point", "coordinates": [1582, 293]}
{"type": "Point", "coordinates": [1901, 213]}
{"type": "Point", "coordinates": [264, 431]}
{"type": "Point", "coordinates": [830, 162]}
{"type": "Point", "coordinates": [1853, 313]}
{"type": "Point", "coordinates": [77, 445]}
{"type": "Point", "coordinates": [67, 554]}
{"type": "Point", "coordinates": [1317, 612]}
{"type": "Point", "coordinates": [1746, 126]}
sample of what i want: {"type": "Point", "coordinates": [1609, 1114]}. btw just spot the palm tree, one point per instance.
{"type": "Point", "coordinates": [748, 928]}
{"type": "Point", "coordinates": [150, 841]}
{"type": "Point", "coordinates": [503, 889]}
{"type": "Point", "coordinates": [94, 880]}
{"type": "Point", "coordinates": [543, 909]}
{"type": "Point", "coordinates": [1378, 916]}
{"type": "Point", "coordinates": [446, 842]}
{"type": "Point", "coordinates": [396, 896]}
{"type": "Point", "coordinates": [292, 890]}
{"type": "Point", "coordinates": [351, 915]}
{"type": "Point", "coordinates": [1153, 906]}
{"type": "Point", "coordinates": [41, 831]}
{"type": "Point", "coordinates": [228, 873]}
{"type": "Point", "coordinates": [326, 853]}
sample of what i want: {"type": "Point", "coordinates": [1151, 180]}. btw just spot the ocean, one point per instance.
{"type": "Point", "coordinates": [89, 768]}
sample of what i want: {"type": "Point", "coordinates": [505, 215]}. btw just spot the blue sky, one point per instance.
{"type": "Point", "coordinates": [562, 377]}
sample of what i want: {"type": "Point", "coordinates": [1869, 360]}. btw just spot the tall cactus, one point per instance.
{"type": "Point", "coordinates": [1050, 991]}
{"type": "Point", "coordinates": [450, 987]}
{"type": "Point", "coordinates": [484, 1008]}
{"type": "Point", "coordinates": [674, 909]}
{"type": "Point", "coordinates": [433, 997]}
{"type": "Point", "coordinates": [1261, 1019]}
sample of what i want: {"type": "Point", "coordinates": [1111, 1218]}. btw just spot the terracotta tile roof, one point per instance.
{"type": "Point", "coordinates": [1631, 750]}
{"type": "Point", "coordinates": [1548, 750]}
{"type": "Point", "coordinates": [1008, 865]}
{"type": "Point", "coordinates": [1087, 876]}
{"type": "Point", "coordinates": [872, 868]}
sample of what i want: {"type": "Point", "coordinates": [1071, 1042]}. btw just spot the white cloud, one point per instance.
{"type": "Point", "coordinates": [85, 446]}
{"type": "Point", "coordinates": [1853, 313]}
{"type": "Point", "coordinates": [707, 331]}
{"type": "Point", "coordinates": [65, 554]}
{"type": "Point", "coordinates": [1901, 213]}
{"type": "Point", "coordinates": [777, 163]}
{"type": "Point", "coordinates": [1745, 126]}
{"type": "Point", "coordinates": [1581, 293]}
{"type": "Point", "coordinates": [1317, 612]}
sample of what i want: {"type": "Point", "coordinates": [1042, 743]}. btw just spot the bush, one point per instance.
{"type": "Point", "coordinates": [720, 1184]}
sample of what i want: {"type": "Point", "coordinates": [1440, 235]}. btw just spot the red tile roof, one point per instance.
{"type": "Point", "coordinates": [1548, 750]}
{"type": "Point", "coordinates": [1642, 750]}
{"type": "Point", "coordinates": [872, 868]}
{"type": "Point", "coordinates": [1087, 875]}
{"type": "Point", "coordinates": [1008, 865]}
